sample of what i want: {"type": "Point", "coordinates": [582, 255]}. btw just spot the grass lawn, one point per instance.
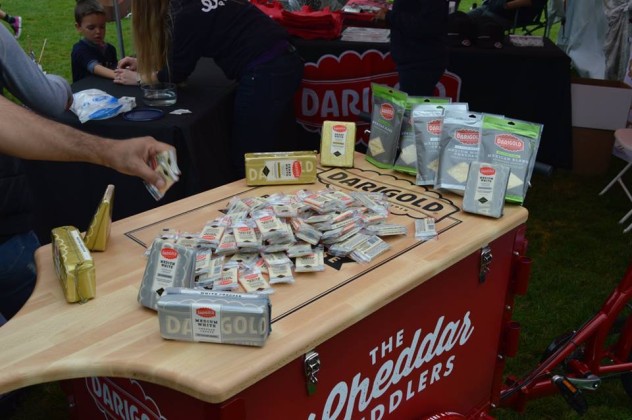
{"type": "Point", "coordinates": [579, 250]}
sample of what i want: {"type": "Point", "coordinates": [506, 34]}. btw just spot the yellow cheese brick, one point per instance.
{"type": "Point", "coordinates": [277, 168]}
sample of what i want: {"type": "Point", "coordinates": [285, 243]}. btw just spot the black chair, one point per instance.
{"type": "Point", "coordinates": [534, 19]}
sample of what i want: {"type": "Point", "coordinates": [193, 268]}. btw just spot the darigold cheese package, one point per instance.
{"type": "Point", "coordinates": [73, 264]}
{"type": "Point", "coordinates": [98, 233]}
{"type": "Point", "coordinates": [214, 317]}
{"type": "Point", "coordinates": [277, 168]}
{"type": "Point", "coordinates": [337, 143]}
{"type": "Point", "coordinates": [485, 189]}
{"type": "Point", "coordinates": [169, 265]}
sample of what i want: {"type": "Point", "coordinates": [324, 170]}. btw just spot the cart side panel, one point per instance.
{"type": "Point", "coordinates": [434, 349]}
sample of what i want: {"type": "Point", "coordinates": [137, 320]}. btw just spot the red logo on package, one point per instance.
{"type": "Point", "coordinates": [509, 142]}
{"type": "Point", "coordinates": [488, 170]}
{"type": "Point", "coordinates": [387, 111]}
{"type": "Point", "coordinates": [467, 137]}
{"type": "Point", "coordinates": [296, 169]}
{"type": "Point", "coordinates": [205, 312]}
{"type": "Point", "coordinates": [339, 128]}
{"type": "Point", "coordinates": [169, 253]}
{"type": "Point", "coordinates": [434, 127]}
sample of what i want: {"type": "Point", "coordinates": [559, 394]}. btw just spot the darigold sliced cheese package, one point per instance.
{"type": "Point", "coordinates": [98, 233]}
{"type": "Point", "coordinates": [214, 317]}
{"type": "Point", "coordinates": [337, 144]}
{"type": "Point", "coordinates": [73, 264]}
{"type": "Point", "coordinates": [485, 189]}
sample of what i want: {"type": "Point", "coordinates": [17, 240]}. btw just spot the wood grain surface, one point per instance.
{"type": "Point", "coordinates": [113, 335]}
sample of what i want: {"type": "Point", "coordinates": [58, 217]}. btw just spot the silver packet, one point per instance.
{"type": "Point", "coordinates": [485, 189]}
{"type": "Point", "coordinates": [168, 265]}
{"type": "Point", "coordinates": [214, 317]}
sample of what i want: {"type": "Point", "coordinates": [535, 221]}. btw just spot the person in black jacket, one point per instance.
{"type": "Point", "coordinates": [245, 43]}
{"type": "Point", "coordinates": [419, 43]}
{"type": "Point", "coordinates": [503, 12]}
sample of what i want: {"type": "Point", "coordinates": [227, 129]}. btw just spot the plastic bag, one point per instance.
{"type": "Point", "coordinates": [95, 104]}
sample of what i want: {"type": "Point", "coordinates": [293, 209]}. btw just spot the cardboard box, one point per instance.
{"type": "Point", "coordinates": [600, 104]}
{"type": "Point", "coordinates": [592, 150]}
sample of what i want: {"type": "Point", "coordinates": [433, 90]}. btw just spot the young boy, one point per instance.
{"type": "Point", "coordinates": [92, 55]}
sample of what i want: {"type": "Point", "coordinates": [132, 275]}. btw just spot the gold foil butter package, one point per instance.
{"type": "Point", "coordinates": [278, 168]}
{"type": "Point", "coordinates": [73, 264]}
{"type": "Point", "coordinates": [337, 144]}
{"type": "Point", "coordinates": [169, 265]}
{"type": "Point", "coordinates": [215, 317]}
{"type": "Point", "coordinates": [98, 233]}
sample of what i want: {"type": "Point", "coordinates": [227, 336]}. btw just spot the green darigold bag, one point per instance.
{"type": "Point", "coordinates": [389, 105]}
{"type": "Point", "coordinates": [406, 161]}
{"type": "Point", "coordinates": [512, 143]}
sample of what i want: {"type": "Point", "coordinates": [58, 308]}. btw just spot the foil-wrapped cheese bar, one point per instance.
{"type": "Point", "coordinates": [169, 265]}
{"type": "Point", "coordinates": [98, 233]}
{"type": "Point", "coordinates": [485, 189]}
{"type": "Point", "coordinates": [73, 264]}
{"type": "Point", "coordinates": [337, 143]}
{"type": "Point", "coordinates": [277, 168]}
{"type": "Point", "coordinates": [214, 317]}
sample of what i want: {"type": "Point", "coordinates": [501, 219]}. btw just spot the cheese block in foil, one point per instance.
{"type": "Point", "coordinates": [73, 264]}
{"type": "Point", "coordinates": [98, 233]}
{"type": "Point", "coordinates": [214, 317]}
{"type": "Point", "coordinates": [337, 143]}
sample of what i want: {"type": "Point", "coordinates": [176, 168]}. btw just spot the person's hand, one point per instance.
{"type": "Point", "coordinates": [126, 77]}
{"type": "Point", "coordinates": [131, 157]}
{"type": "Point", "coordinates": [128, 63]}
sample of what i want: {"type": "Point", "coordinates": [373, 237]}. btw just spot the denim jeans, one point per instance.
{"type": "Point", "coordinates": [17, 272]}
{"type": "Point", "coordinates": [264, 107]}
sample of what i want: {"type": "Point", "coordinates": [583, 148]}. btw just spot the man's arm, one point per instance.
{"type": "Point", "coordinates": [27, 135]}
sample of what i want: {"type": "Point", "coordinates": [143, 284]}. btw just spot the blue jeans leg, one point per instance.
{"type": "Point", "coordinates": [17, 272]}
{"type": "Point", "coordinates": [263, 101]}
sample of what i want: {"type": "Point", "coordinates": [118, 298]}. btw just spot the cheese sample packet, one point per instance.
{"type": "Point", "coordinates": [485, 189]}
{"type": "Point", "coordinates": [389, 105]}
{"type": "Point", "coordinates": [513, 143]}
{"type": "Point", "coordinates": [406, 161]}
{"type": "Point", "coordinates": [460, 140]}
{"type": "Point", "coordinates": [166, 164]}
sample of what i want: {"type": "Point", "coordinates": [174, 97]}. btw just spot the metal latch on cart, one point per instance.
{"type": "Point", "coordinates": [312, 367]}
{"type": "Point", "coordinates": [486, 260]}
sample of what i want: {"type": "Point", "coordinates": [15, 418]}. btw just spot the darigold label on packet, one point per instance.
{"type": "Point", "coordinates": [168, 265]}
{"type": "Point", "coordinates": [277, 168]}
{"type": "Point", "coordinates": [166, 164]}
{"type": "Point", "coordinates": [73, 264]}
{"type": "Point", "coordinates": [485, 189]}
{"type": "Point", "coordinates": [221, 318]}
{"type": "Point", "coordinates": [460, 140]}
{"type": "Point", "coordinates": [337, 143]}
{"type": "Point", "coordinates": [386, 122]}
{"type": "Point", "coordinates": [406, 161]}
{"type": "Point", "coordinates": [512, 143]}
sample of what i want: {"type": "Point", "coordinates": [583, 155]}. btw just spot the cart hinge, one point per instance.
{"type": "Point", "coordinates": [312, 367]}
{"type": "Point", "coordinates": [486, 260]}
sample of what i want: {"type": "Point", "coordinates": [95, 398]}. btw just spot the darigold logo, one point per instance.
{"type": "Point", "coordinates": [339, 128]}
{"type": "Point", "coordinates": [434, 127]}
{"type": "Point", "coordinates": [487, 170]}
{"type": "Point", "coordinates": [387, 111]}
{"type": "Point", "coordinates": [169, 253]}
{"type": "Point", "coordinates": [467, 137]}
{"type": "Point", "coordinates": [509, 142]}
{"type": "Point", "coordinates": [205, 312]}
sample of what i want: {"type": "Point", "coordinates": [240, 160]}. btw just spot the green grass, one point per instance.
{"type": "Point", "coordinates": [579, 250]}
